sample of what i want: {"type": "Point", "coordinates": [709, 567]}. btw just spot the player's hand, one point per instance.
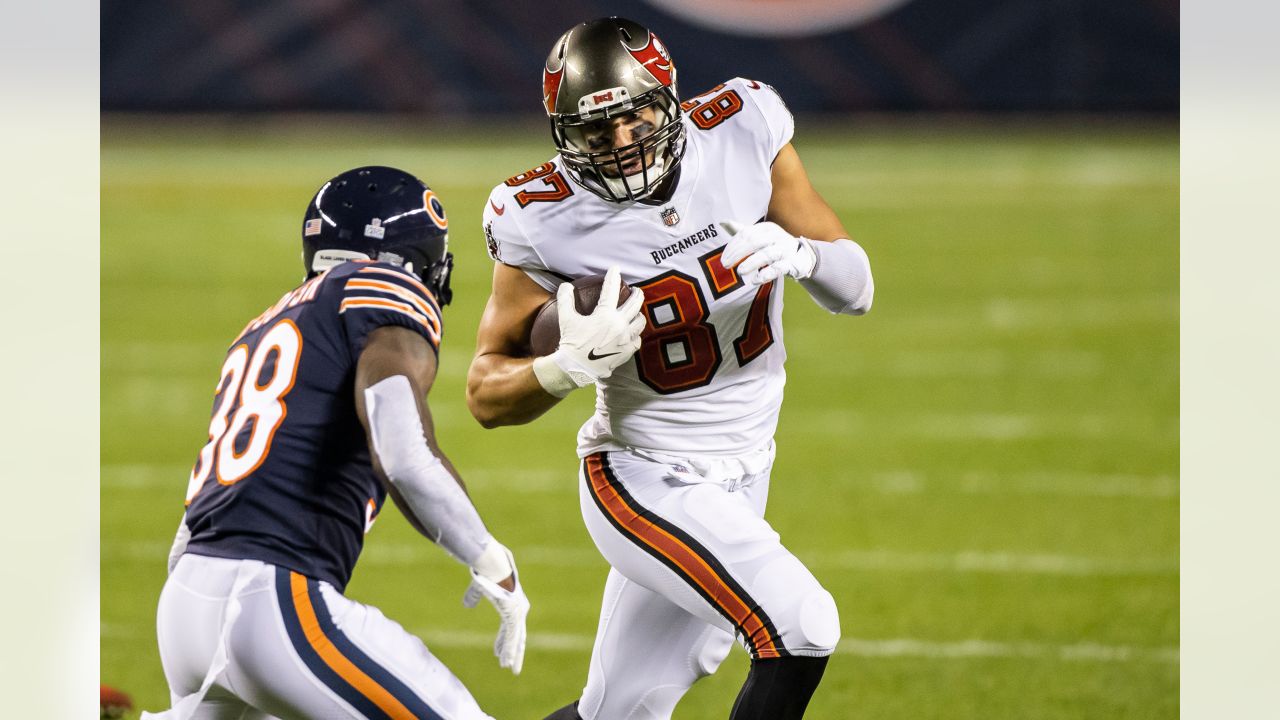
{"type": "Point", "coordinates": [764, 252]}
{"type": "Point", "coordinates": [494, 578]}
{"type": "Point", "coordinates": [593, 346]}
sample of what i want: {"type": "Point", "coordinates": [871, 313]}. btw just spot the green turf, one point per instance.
{"type": "Point", "coordinates": [984, 468]}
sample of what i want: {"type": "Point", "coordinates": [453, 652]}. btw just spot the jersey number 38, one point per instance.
{"type": "Point", "coordinates": [242, 397]}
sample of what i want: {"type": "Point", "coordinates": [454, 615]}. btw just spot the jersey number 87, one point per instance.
{"type": "Point", "coordinates": [681, 350]}
{"type": "Point", "coordinates": [242, 399]}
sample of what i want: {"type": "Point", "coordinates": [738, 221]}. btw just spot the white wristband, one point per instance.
{"type": "Point", "coordinates": [552, 377]}
{"type": "Point", "coordinates": [494, 562]}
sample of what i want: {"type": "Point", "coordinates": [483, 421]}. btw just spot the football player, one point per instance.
{"type": "Point", "coordinates": [705, 207]}
{"type": "Point", "coordinates": [320, 412]}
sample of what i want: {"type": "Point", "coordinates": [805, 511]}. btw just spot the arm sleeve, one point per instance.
{"type": "Point", "coordinates": [383, 294]}
{"type": "Point", "coordinates": [427, 487]}
{"type": "Point", "coordinates": [841, 279]}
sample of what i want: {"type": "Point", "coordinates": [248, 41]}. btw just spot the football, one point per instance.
{"type": "Point", "coordinates": [544, 337]}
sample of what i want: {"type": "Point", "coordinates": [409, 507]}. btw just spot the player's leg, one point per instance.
{"type": "Point", "coordinates": [192, 613]}
{"type": "Point", "coordinates": [330, 656]}
{"type": "Point", "coordinates": [708, 550]}
{"type": "Point", "coordinates": [775, 688]}
{"type": "Point", "coordinates": [647, 653]}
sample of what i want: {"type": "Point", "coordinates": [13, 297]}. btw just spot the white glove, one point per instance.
{"type": "Point", "coordinates": [592, 346]}
{"type": "Point", "coordinates": [764, 252]}
{"type": "Point", "coordinates": [493, 566]}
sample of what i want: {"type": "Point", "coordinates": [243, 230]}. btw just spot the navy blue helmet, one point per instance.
{"type": "Point", "coordinates": [384, 214]}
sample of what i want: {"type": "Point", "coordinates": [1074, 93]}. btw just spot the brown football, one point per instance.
{"type": "Point", "coordinates": [544, 338]}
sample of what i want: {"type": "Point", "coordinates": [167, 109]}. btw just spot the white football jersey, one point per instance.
{"type": "Point", "coordinates": [708, 378]}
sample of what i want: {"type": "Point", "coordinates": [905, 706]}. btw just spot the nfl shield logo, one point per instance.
{"type": "Point", "coordinates": [670, 217]}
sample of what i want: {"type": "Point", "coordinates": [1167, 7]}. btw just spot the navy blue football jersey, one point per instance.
{"type": "Point", "coordinates": [286, 476]}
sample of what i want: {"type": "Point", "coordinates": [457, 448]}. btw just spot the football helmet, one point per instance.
{"type": "Point", "coordinates": [604, 73]}
{"type": "Point", "coordinates": [384, 214]}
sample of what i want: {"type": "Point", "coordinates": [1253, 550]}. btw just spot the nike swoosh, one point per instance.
{"type": "Point", "coordinates": [591, 355]}
{"type": "Point", "coordinates": [497, 209]}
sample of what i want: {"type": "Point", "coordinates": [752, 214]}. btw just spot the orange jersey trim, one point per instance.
{"type": "Point", "coordinates": [383, 286]}
{"type": "Point", "coordinates": [405, 276]}
{"type": "Point", "coordinates": [430, 323]}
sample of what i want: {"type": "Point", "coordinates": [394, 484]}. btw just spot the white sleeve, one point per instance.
{"type": "Point", "coordinates": [427, 487]}
{"type": "Point", "coordinates": [841, 278]}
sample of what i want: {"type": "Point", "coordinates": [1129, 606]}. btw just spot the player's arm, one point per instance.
{"type": "Point", "coordinates": [795, 205]}
{"type": "Point", "coordinates": [393, 375]}
{"type": "Point", "coordinates": [803, 238]}
{"type": "Point", "coordinates": [502, 388]}
{"type": "Point", "coordinates": [506, 387]}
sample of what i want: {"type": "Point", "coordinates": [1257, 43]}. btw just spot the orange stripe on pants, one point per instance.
{"type": "Point", "coordinates": [334, 658]}
{"type": "Point", "coordinates": [694, 567]}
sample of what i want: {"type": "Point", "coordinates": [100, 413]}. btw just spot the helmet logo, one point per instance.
{"type": "Point", "coordinates": [604, 98]}
{"type": "Point", "coordinates": [654, 58]}
{"type": "Point", "coordinates": [552, 74]}
{"type": "Point", "coordinates": [435, 209]}
{"type": "Point", "coordinates": [551, 88]}
{"type": "Point", "coordinates": [374, 229]}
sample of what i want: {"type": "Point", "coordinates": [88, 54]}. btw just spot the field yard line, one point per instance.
{"type": "Point", "coordinates": [1038, 483]}
{"type": "Point", "coordinates": [986, 426]}
{"type": "Point", "coordinates": [889, 482]}
{"type": "Point", "coordinates": [857, 647]}
{"type": "Point", "coordinates": [144, 475]}
{"type": "Point", "coordinates": [393, 554]}
{"type": "Point", "coordinates": [989, 562]}
{"type": "Point", "coordinates": [163, 475]}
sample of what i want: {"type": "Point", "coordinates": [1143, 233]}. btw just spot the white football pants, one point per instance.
{"type": "Point", "coordinates": [694, 565]}
{"type": "Point", "coordinates": [244, 640]}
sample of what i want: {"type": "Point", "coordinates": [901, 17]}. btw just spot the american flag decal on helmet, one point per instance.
{"type": "Point", "coordinates": [311, 228]}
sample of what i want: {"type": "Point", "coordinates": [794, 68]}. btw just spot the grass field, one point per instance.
{"type": "Point", "coordinates": [983, 471]}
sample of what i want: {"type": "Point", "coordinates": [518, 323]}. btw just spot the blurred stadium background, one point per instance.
{"type": "Point", "coordinates": [984, 470]}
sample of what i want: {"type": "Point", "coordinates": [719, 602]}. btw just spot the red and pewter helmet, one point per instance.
{"type": "Point", "coordinates": [600, 70]}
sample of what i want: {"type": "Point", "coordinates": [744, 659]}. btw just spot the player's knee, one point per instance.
{"type": "Point", "coordinates": [818, 623]}
{"type": "Point", "coordinates": [802, 610]}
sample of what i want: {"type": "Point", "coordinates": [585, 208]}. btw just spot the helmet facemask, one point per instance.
{"type": "Point", "coordinates": [633, 171]}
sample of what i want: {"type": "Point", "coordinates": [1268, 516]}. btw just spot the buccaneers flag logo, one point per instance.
{"type": "Point", "coordinates": [653, 56]}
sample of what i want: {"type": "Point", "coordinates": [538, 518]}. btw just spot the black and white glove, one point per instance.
{"type": "Point", "coordinates": [493, 566]}
{"type": "Point", "coordinates": [592, 346]}
{"type": "Point", "coordinates": [764, 252]}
